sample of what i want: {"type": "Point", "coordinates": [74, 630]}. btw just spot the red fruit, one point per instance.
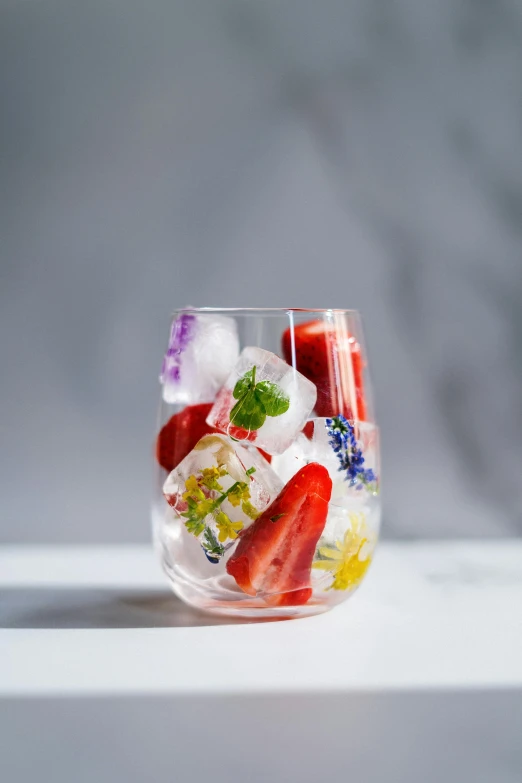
{"type": "Point", "coordinates": [274, 555]}
{"type": "Point", "coordinates": [224, 403]}
{"type": "Point", "coordinates": [358, 377]}
{"type": "Point", "coordinates": [308, 430]}
{"type": "Point", "coordinates": [181, 433]}
{"type": "Point", "coordinates": [268, 457]}
{"type": "Point", "coordinates": [239, 433]}
{"type": "Point", "coordinates": [329, 357]}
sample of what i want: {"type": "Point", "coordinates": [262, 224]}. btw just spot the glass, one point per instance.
{"type": "Point", "coordinates": [267, 460]}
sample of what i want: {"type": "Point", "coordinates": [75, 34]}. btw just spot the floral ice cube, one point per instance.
{"type": "Point", "coordinates": [202, 351]}
{"type": "Point", "coordinates": [218, 490]}
{"type": "Point", "coordinates": [264, 400]}
{"type": "Point", "coordinates": [349, 451]}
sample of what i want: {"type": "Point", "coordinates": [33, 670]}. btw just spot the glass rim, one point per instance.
{"type": "Point", "coordinates": [269, 311]}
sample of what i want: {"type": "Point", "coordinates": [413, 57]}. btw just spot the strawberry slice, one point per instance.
{"type": "Point", "coordinates": [223, 405]}
{"type": "Point", "coordinates": [274, 555]}
{"type": "Point", "coordinates": [181, 433]}
{"type": "Point", "coordinates": [332, 359]}
{"type": "Point", "coordinates": [358, 377]}
{"type": "Point", "coordinates": [308, 430]}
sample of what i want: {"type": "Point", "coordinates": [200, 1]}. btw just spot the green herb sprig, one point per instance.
{"type": "Point", "coordinates": [256, 401]}
{"type": "Point", "coordinates": [212, 545]}
{"type": "Point", "coordinates": [200, 506]}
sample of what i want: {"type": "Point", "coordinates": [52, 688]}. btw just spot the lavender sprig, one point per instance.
{"type": "Point", "coordinates": [344, 443]}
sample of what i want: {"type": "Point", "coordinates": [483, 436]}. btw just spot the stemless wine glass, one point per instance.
{"type": "Point", "coordinates": [267, 460]}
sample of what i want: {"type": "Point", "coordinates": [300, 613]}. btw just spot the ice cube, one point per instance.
{"type": "Point", "coordinates": [349, 535]}
{"type": "Point", "coordinates": [296, 456]}
{"type": "Point", "coordinates": [202, 351]}
{"type": "Point", "coordinates": [218, 490]}
{"type": "Point", "coordinates": [268, 400]}
{"type": "Point", "coordinates": [347, 486]}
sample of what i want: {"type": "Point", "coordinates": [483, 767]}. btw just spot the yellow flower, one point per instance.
{"type": "Point", "coordinates": [204, 508]}
{"type": "Point", "coordinates": [191, 484]}
{"type": "Point", "coordinates": [349, 560]}
{"type": "Point", "coordinates": [227, 528]}
{"type": "Point", "coordinates": [193, 489]}
{"type": "Point", "coordinates": [241, 492]}
{"type": "Point", "coordinates": [209, 478]}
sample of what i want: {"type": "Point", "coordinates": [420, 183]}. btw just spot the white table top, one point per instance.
{"type": "Point", "coordinates": [101, 620]}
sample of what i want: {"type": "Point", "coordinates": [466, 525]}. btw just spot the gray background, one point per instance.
{"type": "Point", "coordinates": [361, 154]}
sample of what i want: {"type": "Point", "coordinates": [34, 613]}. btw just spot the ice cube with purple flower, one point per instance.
{"type": "Point", "coordinates": [201, 352]}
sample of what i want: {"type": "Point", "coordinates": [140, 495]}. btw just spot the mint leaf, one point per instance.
{"type": "Point", "coordinates": [256, 401]}
{"type": "Point", "coordinates": [248, 413]}
{"type": "Point", "coordinates": [244, 384]}
{"type": "Point", "coordinates": [272, 398]}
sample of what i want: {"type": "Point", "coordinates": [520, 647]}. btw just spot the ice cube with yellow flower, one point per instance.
{"type": "Point", "coordinates": [343, 558]}
{"type": "Point", "coordinates": [218, 490]}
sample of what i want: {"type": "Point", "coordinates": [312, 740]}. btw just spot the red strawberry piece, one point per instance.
{"type": "Point", "coordinates": [224, 403]}
{"type": "Point", "coordinates": [181, 433]}
{"type": "Point", "coordinates": [274, 555]}
{"type": "Point", "coordinates": [308, 429]}
{"type": "Point", "coordinates": [310, 348]}
{"type": "Point", "coordinates": [239, 433]}
{"type": "Point", "coordinates": [268, 457]}
{"type": "Point", "coordinates": [325, 355]}
{"type": "Point", "coordinates": [358, 377]}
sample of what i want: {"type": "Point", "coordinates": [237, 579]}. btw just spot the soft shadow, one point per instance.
{"type": "Point", "coordinates": [84, 608]}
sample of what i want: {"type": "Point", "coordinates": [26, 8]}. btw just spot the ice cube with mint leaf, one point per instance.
{"type": "Point", "coordinates": [264, 401]}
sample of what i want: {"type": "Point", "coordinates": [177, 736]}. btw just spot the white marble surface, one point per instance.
{"type": "Point", "coordinates": [105, 675]}
{"type": "Point", "coordinates": [436, 615]}
{"type": "Point", "coordinates": [363, 154]}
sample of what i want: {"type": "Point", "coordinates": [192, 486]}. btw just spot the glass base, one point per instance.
{"type": "Point", "coordinates": [254, 610]}
{"type": "Point", "coordinates": [220, 596]}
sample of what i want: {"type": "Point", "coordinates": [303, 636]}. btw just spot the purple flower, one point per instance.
{"type": "Point", "coordinates": [181, 334]}
{"type": "Point", "coordinates": [345, 445]}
